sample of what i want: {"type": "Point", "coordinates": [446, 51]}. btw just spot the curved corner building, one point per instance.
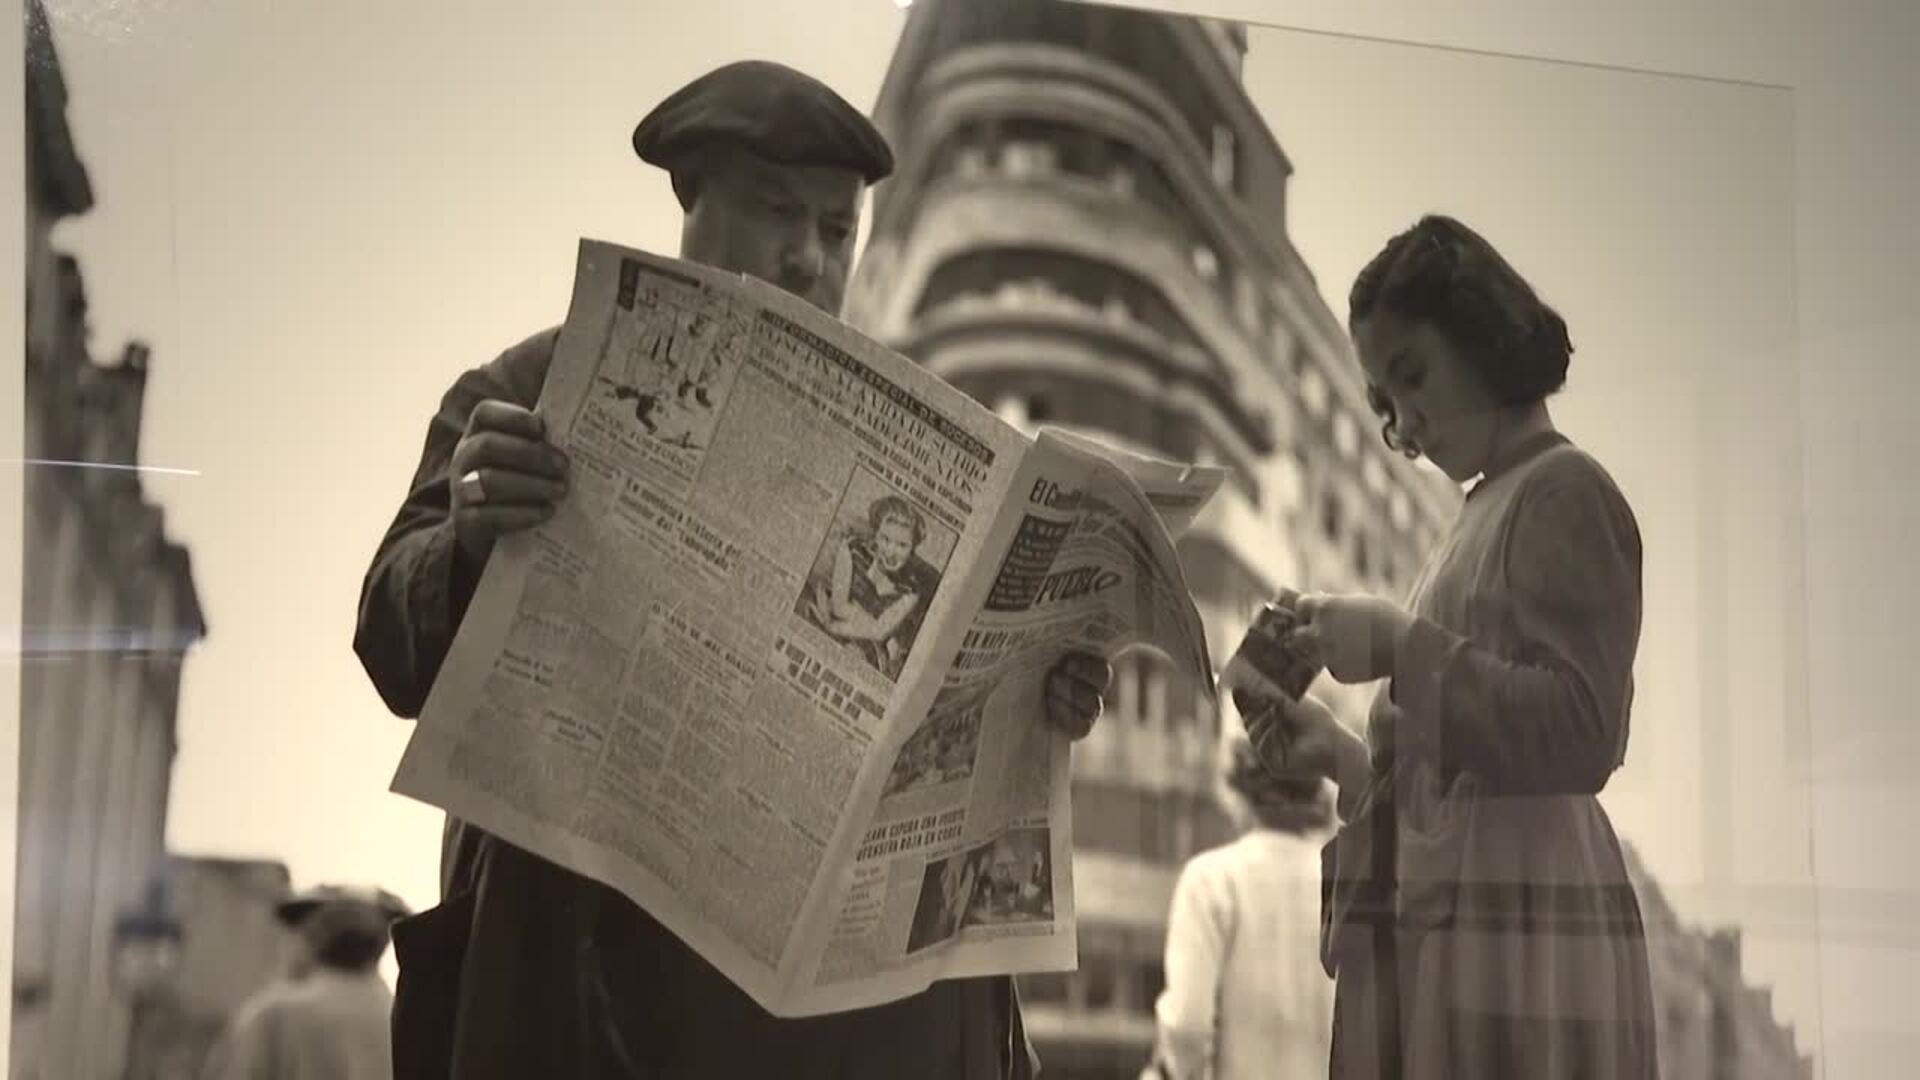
{"type": "Point", "coordinates": [1087, 228]}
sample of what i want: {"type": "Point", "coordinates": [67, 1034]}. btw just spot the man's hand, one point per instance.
{"type": "Point", "coordinates": [1076, 693]}
{"type": "Point", "coordinates": [504, 476]}
{"type": "Point", "coordinates": [1355, 636]}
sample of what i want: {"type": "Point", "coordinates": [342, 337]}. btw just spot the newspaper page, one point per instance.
{"type": "Point", "coordinates": [692, 682]}
{"type": "Point", "coordinates": [966, 863]}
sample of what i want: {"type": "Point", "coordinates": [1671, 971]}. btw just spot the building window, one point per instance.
{"type": "Point", "coordinates": [1362, 556]}
{"type": "Point", "coordinates": [1047, 988]}
{"type": "Point", "coordinates": [1375, 474]}
{"type": "Point", "coordinates": [1346, 435]}
{"type": "Point", "coordinates": [1285, 481]}
{"type": "Point", "coordinates": [970, 161]}
{"type": "Point", "coordinates": [1313, 389]}
{"type": "Point", "coordinates": [1150, 979]}
{"type": "Point", "coordinates": [1027, 158]}
{"type": "Point", "coordinates": [1401, 510]}
{"type": "Point", "coordinates": [1224, 165]}
{"type": "Point", "coordinates": [1153, 693]}
{"type": "Point", "coordinates": [1205, 262]}
{"type": "Point", "coordinates": [1280, 341]}
{"type": "Point", "coordinates": [1330, 522]}
{"type": "Point", "coordinates": [1247, 305]}
{"type": "Point", "coordinates": [1039, 410]}
{"type": "Point", "coordinates": [1098, 982]}
{"type": "Point", "coordinates": [1126, 688]}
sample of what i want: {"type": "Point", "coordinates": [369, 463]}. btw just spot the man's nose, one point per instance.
{"type": "Point", "coordinates": [805, 259]}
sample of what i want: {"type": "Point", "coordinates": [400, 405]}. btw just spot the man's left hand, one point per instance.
{"type": "Point", "coordinates": [1076, 693]}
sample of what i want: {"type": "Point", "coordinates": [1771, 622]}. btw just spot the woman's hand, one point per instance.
{"type": "Point", "coordinates": [1303, 740]}
{"type": "Point", "coordinates": [1293, 739]}
{"type": "Point", "coordinates": [1355, 636]}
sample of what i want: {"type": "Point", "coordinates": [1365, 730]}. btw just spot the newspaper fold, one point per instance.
{"type": "Point", "coordinates": [775, 669]}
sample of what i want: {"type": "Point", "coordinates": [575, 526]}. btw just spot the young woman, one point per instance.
{"type": "Point", "coordinates": [1478, 918]}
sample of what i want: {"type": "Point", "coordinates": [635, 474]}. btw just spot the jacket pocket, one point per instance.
{"type": "Point", "coordinates": [431, 949]}
{"type": "Point", "coordinates": [1436, 823]}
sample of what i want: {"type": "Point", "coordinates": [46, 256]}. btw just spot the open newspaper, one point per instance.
{"type": "Point", "coordinates": [775, 670]}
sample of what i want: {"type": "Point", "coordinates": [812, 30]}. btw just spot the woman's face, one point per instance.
{"type": "Point", "coordinates": [893, 543]}
{"type": "Point", "coordinates": [1440, 405]}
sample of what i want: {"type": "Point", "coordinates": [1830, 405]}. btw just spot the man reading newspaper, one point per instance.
{"type": "Point", "coordinates": [526, 969]}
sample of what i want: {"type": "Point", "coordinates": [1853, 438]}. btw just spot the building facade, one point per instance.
{"type": "Point", "coordinates": [1713, 1024]}
{"type": "Point", "coordinates": [1087, 228]}
{"type": "Point", "coordinates": [109, 611]}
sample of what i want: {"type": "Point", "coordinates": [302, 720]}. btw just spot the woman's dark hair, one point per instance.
{"type": "Point", "coordinates": [1289, 804]}
{"type": "Point", "coordinates": [352, 950]}
{"type": "Point", "coordinates": [1443, 273]}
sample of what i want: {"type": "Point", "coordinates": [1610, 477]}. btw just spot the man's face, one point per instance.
{"type": "Point", "coordinates": [788, 225]}
{"type": "Point", "coordinates": [1005, 869]}
{"type": "Point", "coordinates": [893, 543]}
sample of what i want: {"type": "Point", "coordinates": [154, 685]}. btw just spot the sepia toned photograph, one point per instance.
{"type": "Point", "coordinates": [1500, 357]}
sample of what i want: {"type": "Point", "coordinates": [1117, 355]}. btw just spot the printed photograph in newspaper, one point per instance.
{"type": "Point", "coordinates": [946, 896]}
{"type": "Point", "coordinates": [1018, 887]}
{"type": "Point", "coordinates": [877, 573]}
{"type": "Point", "coordinates": [942, 750]}
{"type": "Point", "coordinates": [671, 375]}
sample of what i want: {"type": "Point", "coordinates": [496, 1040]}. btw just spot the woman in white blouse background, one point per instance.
{"type": "Point", "coordinates": [1245, 992]}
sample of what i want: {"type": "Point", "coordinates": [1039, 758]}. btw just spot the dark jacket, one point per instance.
{"type": "Point", "coordinates": [526, 969]}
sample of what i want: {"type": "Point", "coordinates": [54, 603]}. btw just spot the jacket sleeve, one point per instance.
{"type": "Point", "coordinates": [417, 590]}
{"type": "Point", "coordinates": [245, 1050]}
{"type": "Point", "coordinates": [1548, 717]}
{"type": "Point", "coordinates": [1199, 932]}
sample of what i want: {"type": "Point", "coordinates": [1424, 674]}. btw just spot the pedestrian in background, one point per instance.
{"type": "Point", "coordinates": [329, 1018]}
{"type": "Point", "coordinates": [1245, 994]}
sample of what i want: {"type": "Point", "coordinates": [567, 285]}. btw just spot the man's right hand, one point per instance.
{"type": "Point", "coordinates": [504, 476]}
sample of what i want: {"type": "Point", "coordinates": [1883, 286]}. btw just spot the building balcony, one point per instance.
{"type": "Point", "coordinates": [1115, 891]}
{"type": "Point", "coordinates": [1064, 131]}
{"type": "Point", "coordinates": [1252, 536]}
{"type": "Point", "coordinates": [1019, 335]}
{"type": "Point", "coordinates": [1125, 748]}
{"type": "Point", "coordinates": [1066, 84]}
{"type": "Point", "coordinates": [1066, 221]}
{"type": "Point", "coordinates": [1076, 1043]}
{"type": "Point", "coordinates": [1164, 98]}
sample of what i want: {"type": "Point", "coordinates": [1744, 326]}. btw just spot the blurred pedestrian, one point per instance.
{"type": "Point", "coordinates": [329, 1017]}
{"type": "Point", "coordinates": [1245, 994]}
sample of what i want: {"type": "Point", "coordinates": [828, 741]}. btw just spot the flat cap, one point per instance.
{"type": "Point", "coordinates": [770, 109]}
